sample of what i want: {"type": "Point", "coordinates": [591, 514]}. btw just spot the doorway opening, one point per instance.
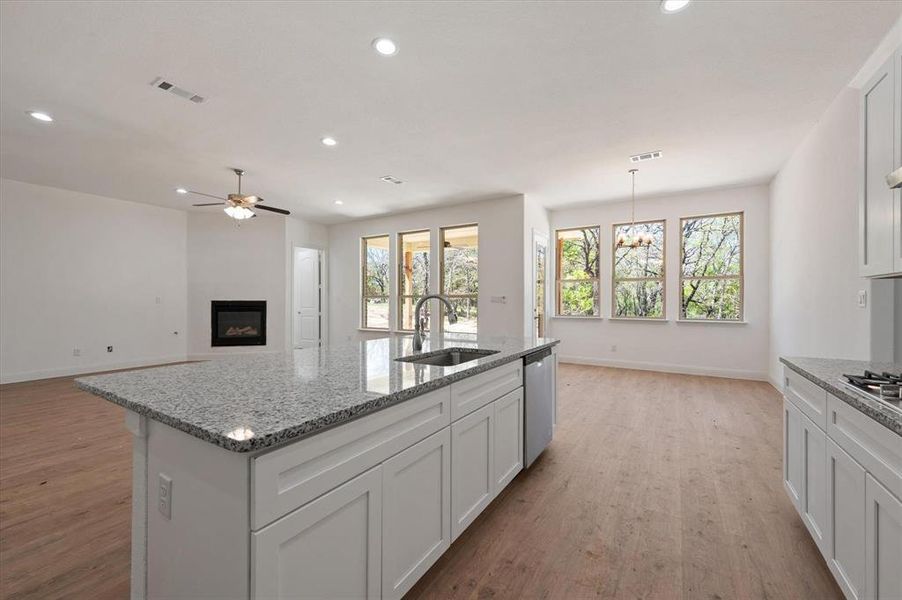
{"type": "Point", "coordinates": [307, 298]}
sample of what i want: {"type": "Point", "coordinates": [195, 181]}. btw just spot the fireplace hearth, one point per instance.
{"type": "Point", "coordinates": [238, 322]}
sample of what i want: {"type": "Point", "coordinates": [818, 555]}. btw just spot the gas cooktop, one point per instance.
{"type": "Point", "coordinates": [884, 387]}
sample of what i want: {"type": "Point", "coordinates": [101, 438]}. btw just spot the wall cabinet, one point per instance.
{"type": "Point", "coordinates": [416, 518]}
{"type": "Point", "coordinates": [329, 548]}
{"type": "Point", "coordinates": [883, 539]}
{"type": "Point", "coordinates": [880, 208]}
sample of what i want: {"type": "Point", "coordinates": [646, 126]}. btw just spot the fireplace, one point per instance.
{"type": "Point", "coordinates": [238, 322]}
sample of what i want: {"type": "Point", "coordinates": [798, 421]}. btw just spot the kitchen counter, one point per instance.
{"type": "Point", "coordinates": [827, 373]}
{"type": "Point", "coordinates": [250, 402]}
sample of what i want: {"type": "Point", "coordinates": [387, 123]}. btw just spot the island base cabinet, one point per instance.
{"type": "Point", "coordinates": [508, 451]}
{"type": "Point", "coordinates": [416, 518]}
{"type": "Point", "coordinates": [472, 467]}
{"type": "Point", "coordinates": [846, 558]}
{"type": "Point", "coordinates": [329, 548]}
{"type": "Point", "coordinates": [883, 535]}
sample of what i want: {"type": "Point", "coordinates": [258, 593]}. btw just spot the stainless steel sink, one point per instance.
{"type": "Point", "coordinates": [448, 357]}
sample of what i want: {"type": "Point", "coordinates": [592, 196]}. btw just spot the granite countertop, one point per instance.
{"type": "Point", "coordinates": [250, 402]}
{"type": "Point", "coordinates": [828, 372]}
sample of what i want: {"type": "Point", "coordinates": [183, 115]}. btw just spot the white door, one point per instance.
{"type": "Point", "coordinates": [793, 466]}
{"type": "Point", "coordinates": [307, 297]}
{"type": "Point", "coordinates": [416, 512]}
{"type": "Point", "coordinates": [814, 494]}
{"type": "Point", "coordinates": [883, 534]}
{"type": "Point", "coordinates": [329, 548]}
{"type": "Point", "coordinates": [472, 462]}
{"type": "Point", "coordinates": [508, 438]}
{"type": "Point", "coordinates": [846, 504]}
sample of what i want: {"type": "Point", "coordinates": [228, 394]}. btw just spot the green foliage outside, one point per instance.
{"type": "Point", "coordinates": [579, 272]}
{"type": "Point", "coordinates": [711, 268]}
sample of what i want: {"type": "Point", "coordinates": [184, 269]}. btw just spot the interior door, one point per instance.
{"type": "Point", "coordinates": [539, 273]}
{"type": "Point", "coordinates": [307, 297]}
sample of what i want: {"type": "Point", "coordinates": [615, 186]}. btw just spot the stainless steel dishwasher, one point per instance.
{"type": "Point", "coordinates": [538, 418]}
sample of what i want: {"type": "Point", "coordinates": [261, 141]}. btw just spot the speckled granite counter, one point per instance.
{"type": "Point", "coordinates": [827, 373]}
{"type": "Point", "coordinates": [274, 398]}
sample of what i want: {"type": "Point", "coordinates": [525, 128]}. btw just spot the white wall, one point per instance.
{"type": "Point", "coordinates": [86, 272]}
{"type": "Point", "coordinates": [814, 245]}
{"type": "Point", "coordinates": [500, 262]}
{"type": "Point", "coordinates": [730, 350]}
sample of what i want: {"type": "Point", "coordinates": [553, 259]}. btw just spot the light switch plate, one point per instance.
{"type": "Point", "coordinates": [862, 298]}
{"type": "Point", "coordinates": [164, 497]}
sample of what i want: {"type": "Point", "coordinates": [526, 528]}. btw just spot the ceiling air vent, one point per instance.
{"type": "Point", "coordinates": [168, 86]}
{"type": "Point", "coordinates": [645, 156]}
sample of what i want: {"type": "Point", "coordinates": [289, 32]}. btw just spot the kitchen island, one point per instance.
{"type": "Point", "coordinates": [339, 471]}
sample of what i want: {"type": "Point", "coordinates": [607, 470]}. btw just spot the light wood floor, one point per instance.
{"type": "Point", "coordinates": [656, 486]}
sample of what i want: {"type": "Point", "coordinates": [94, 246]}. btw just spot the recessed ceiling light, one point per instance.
{"type": "Point", "coordinates": [669, 7]}
{"type": "Point", "coordinates": [329, 141]}
{"type": "Point", "coordinates": [385, 46]}
{"type": "Point", "coordinates": [339, 202]}
{"type": "Point", "coordinates": [181, 191]}
{"type": "Point", "coordinates": [40, 116]}
{"type": "Point", "coordinates": [390, 179]}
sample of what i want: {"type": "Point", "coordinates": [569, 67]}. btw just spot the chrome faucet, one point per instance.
{"type": "Point", "coordinates": [420, 321]}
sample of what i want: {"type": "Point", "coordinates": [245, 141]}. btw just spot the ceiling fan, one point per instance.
{"type": "Point", "coordinates": [238, 206]}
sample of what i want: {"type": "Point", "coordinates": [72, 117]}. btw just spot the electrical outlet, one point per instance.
{"type": "Point", "coordinates": [159, 300]}
{"type": "Point", "coordinates": [109, 348]}
{"type": "Point", "coordinates": [862, 298]}
{"type": "Point", "coordinates": [499, 299]}
{"type": "Point", "coordinates": [165, 496]}
{"type": "Point", "coordinates": [76, 351]}
{"type": "Point", "coordinates": [613, 347]}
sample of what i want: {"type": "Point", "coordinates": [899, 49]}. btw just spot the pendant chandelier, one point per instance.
{"type": "Point", "coordinates": [636, 239]}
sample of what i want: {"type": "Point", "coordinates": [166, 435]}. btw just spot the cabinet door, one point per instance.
{"type": "Point", "coordinates": [329, 548]}
{"type": "Point", "coordinates": [876, 204]}
{"type": "Point", "coordinates": [846, 503]}
{"type": "Point", "coordinates": [508, 438]}
{"type": "Point", "coordinates": [416, 512]}
{"type": "Point", "coordinates": [793, 465]}
{"type": "Point", "coordinates": [883, 535]}
{"type": "Point", "coordinates": [897, 201]}
{"type": "Point", "coordinates": [472, 462]}
{"type": "Point", "coordinates": [814, 493]}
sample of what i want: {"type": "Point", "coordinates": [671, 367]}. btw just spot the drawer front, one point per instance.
{"type": "Point", "coordinates": [875, 447]}
{"type": "Point", "coordinates": [288, 478]}
{"type": "Point", "coordinates": [475, 392]}
{"type": "Point", "coordinates": [808, 397]}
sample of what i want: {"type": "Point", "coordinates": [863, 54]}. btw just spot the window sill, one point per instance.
{"type": "Point", "coordinates": [712, 322]}
{"type": "Point", "coordinates": [639, 320]}
{"type": "Point", "coordinates": [577, 317]}
{"type": "Point", "coordinates": [374, 329]}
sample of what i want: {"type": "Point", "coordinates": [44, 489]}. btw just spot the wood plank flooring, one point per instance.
{"type": "Point", "coordinates": [656, 486]}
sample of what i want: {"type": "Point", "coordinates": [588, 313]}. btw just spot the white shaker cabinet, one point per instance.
{"type": "Point", "coordinates": [416, 518]}
{"type": "Point", "coordinates": [508, 438]}
{"type": "Point", "coordinates": [472, 467]}
{"type": "Point", "coordinates": [846, 504]}
{"type": "Point", "coordinates": [880, 208]}
{"type": "Point", "coordinates": [793, 467]}
{"type": "Point", "coordinates": [814, 505]}
{"type": "Point", "coordinates": [883, 537]}
{"type": "Point", "coordinates": [329, 548]}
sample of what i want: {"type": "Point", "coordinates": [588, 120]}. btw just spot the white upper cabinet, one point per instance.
{"type": "Point", "coordinates": [880, 211]}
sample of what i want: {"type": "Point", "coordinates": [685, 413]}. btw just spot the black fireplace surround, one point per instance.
{"type": "Point", "coordinates": [238, 322]}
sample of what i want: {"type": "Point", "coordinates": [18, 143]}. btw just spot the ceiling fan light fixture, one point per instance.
{"type": "Point", "coordinates": [239, 213]}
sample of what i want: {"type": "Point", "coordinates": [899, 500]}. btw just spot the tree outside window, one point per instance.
{"type": "Point", "coordinates": [638, 273]}
{"type": "Point", "coordinates": [413, 276]}
{"type": "Point", "coordinates": [711, 273]}
{"type": "Point", "coordinates": [375, 274]}
{"type": "Point", "coordinates": [460, 276]}
{"type": "Point", "coordinates": [577, 271]}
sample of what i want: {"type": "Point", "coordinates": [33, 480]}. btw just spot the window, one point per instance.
{"type": "Point", "coordinates": [413, 275]}
{"type": "Point", "coordinates": [375, 282]}
{"type": "Point", "coordinates": [460, 275]}
{"type": "Point", "coordinates": [638, 273]}
{"type": "Point", "coordinates": [577, 271]}
{"type": "Point", "coordinates": [711, 268]}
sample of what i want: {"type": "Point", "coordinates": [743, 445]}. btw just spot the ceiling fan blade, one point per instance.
{"type": "Point", "coordinates": [281, 211]}
{"type": "Point", "coordinates": [207, 195]}
{"type": "Point", "coordinates": [209, 204]}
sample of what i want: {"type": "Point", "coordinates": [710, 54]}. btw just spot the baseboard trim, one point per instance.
{"type": "Point", "coordinates": [665, 367]}
{"type": "Point", "coordinates": [87, 369]}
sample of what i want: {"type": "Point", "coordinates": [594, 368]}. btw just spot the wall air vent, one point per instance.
{"type": "Point", "coordinates": [168, 86]}
{"type": "Point", "coordinates": [645, 156]}
{"type": "Point", "coordinates": [390, 179]}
